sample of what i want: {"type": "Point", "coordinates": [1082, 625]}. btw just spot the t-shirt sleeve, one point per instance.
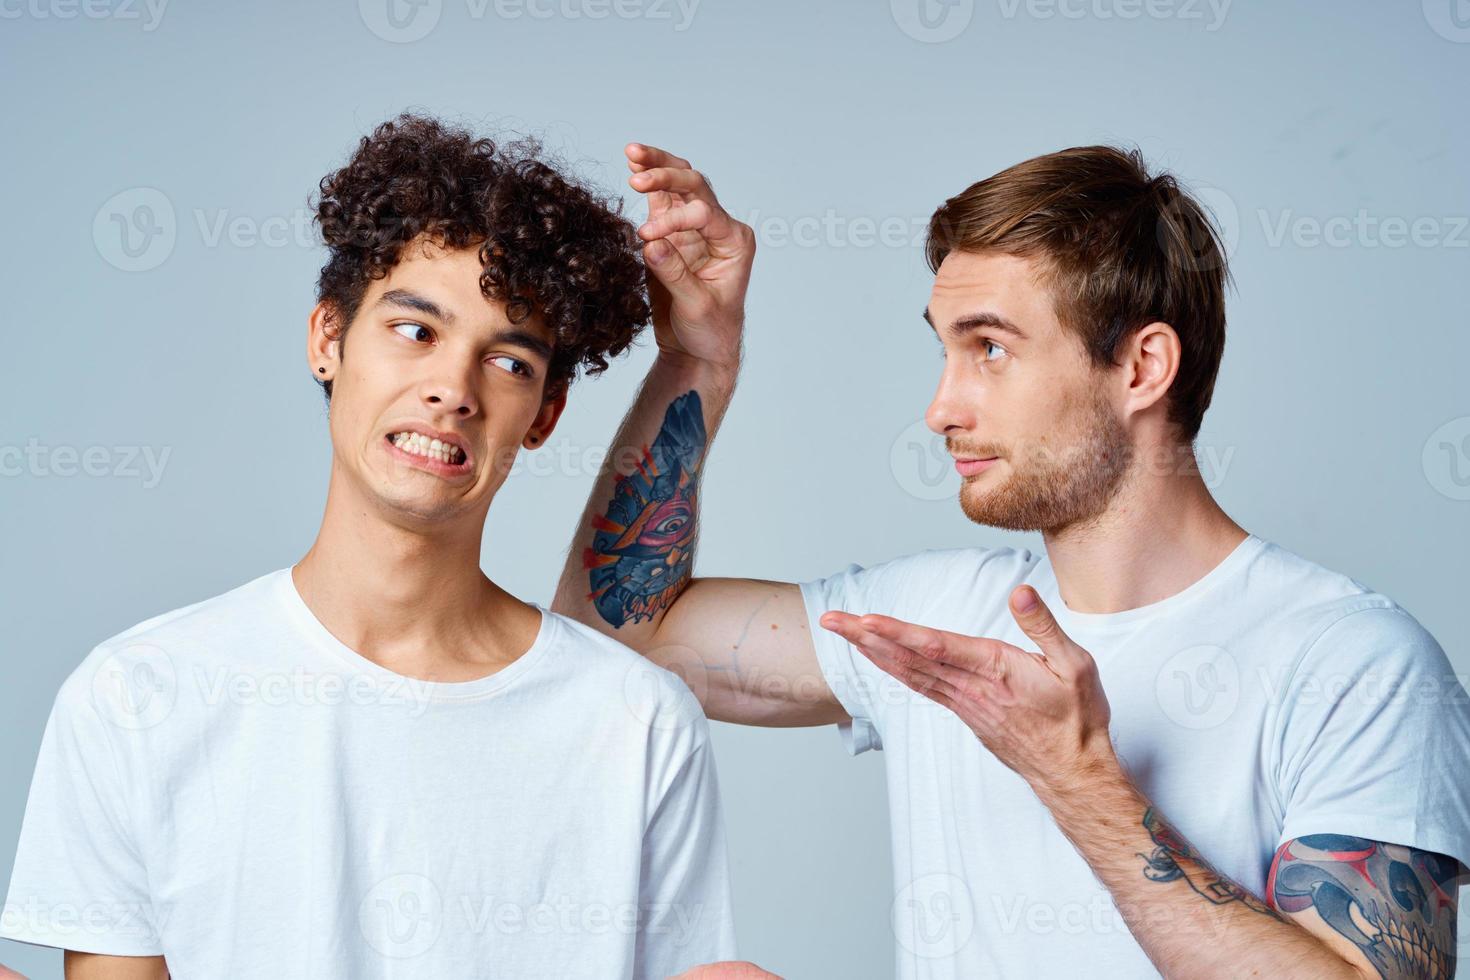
{"type": "Point", "coordinates": [78, 881]}
{"type": "Point", "coordinates": [1375, 737]}
{"type": "Point", "coordinates": [684, 901]}
{"type": "Point", "coordinates": [853, 678]}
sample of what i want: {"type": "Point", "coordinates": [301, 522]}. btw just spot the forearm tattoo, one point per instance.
{"type": "Point", "coordinates": [1395, 903]}
{"type": "Point", "coordinates": [642, 552]}
{"type": "Point", "coordinates": [1175, 858]}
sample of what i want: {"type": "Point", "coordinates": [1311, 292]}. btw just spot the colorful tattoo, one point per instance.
{"type": "Point", "coordinates": [1395, 903]}
{"type": "Point", "coordinates": [1174, 858]}
{"type": "Point", "coordinates": [643, 548]}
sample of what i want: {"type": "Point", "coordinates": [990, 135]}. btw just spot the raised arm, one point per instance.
{"type": "Point", "coordinates": [742, 645]}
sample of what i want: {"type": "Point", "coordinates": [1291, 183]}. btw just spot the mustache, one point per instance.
{"type": "Point", "coordinates": [971, 450]}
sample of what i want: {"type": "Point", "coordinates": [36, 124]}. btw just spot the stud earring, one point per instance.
{"type": "Point", "coordinates": [321, 370]}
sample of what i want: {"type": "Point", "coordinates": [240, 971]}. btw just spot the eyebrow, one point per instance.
{"type": "Point", "coordinates": [413, 301]}
{"type": "Point", "coordinates": [974, 321]}
{"type": "Point", "coordinates": [407, 299]}
{"type": "Point", "coordinates": [523, 339]}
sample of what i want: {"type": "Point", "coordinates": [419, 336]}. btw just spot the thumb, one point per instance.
{"type": "Point", "coordinates": [1037, 622]}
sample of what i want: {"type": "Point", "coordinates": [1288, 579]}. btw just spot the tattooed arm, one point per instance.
{"type": "Point", "coordinates": [1387, 908]}
{"type": "Point", "coordinates": [1339, 906]}
{"type": "Point", "coordinates": [742, 645]}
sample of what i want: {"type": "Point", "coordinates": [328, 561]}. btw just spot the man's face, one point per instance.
{"type": "Point", "coordinates": [428, 355]}
{"type": "Point", "coordinates": [1032, 424]}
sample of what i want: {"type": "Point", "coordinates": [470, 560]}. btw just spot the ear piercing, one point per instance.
{"type": "Point", "coordinates": [321, 370]}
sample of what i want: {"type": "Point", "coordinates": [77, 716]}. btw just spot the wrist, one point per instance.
{"type": "Point", "coordinates": [697, 371]}
{"type": "Point", "coordinates": [1095, 771]}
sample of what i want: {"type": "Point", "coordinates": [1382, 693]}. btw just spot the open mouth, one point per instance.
{"type": "Point", "coordinates": [417, 444]}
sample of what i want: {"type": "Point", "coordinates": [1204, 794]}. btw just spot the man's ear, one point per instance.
{"type": "Point", "coordinates": [1151, 359]}
{"type": "Point", "coordinates": [551, 409]}
{"type": "Point", "coordinates": [323, 342]}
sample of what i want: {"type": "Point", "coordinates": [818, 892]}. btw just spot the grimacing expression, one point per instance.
{"type": "Point", "coordinates": [429, 352]}
{"type": "Point", "coordinates": [1027, 416]}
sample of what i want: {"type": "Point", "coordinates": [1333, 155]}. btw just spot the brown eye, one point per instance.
{"type": "Point", "coordinates": [514, 365]}
{"type": "Point", "coordinates": [413, 330]}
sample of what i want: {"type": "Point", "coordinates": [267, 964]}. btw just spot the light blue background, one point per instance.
{"type": "Point", "coordinates": [835, 128]}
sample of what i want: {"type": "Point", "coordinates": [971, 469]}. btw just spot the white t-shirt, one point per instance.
{"type": "Point", "coordinates": [1269, 700]}
{"type": "Point", "coordinates": [230, 786]}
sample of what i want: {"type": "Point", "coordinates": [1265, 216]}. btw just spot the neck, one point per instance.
{"type": "Point", "coordinates": [409, 597]}
{"type": "Point", "coordinates": [1160, 534]}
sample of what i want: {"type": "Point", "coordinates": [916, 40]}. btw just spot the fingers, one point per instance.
{"type": "Point", "coordinates": [669, 267]}
{"type": "Point", "coordinates": [642, 157]}
{"type": "Point", "coordinates": [675, 180]}
{"type": "Point", "coordinates": [694, 216]}
{"type": "Point", "coordinates": [987, 658]}
{"type": "Point", "coordinates": [912, 667]}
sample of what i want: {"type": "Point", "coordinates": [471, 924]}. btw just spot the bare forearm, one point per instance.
{"type": "Point", "coordinates": [633, 553]}
{"type": "Point", "coordinates": [1191, 920]}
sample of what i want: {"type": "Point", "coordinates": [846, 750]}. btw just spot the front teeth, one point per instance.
{"type": "Point", "coordinates": [421, 445]}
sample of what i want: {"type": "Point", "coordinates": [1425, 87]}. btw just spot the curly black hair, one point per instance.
{"type": "Point", "coordinates": [548, 243]}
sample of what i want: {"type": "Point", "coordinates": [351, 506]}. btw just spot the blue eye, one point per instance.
{"type": "Point", "coordinates": [413, 328]}
{"type": "Point", "coordinates": [990, 346]}
{"type": "Point", "coordinates": [514, 365]}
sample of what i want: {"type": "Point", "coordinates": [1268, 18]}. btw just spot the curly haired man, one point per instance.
{"type": "Point", "coordinates": [376, 762]}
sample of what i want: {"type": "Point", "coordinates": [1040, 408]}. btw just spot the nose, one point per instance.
{"type": "Point", "coordinates": [451, 389]}
{"type": "Point", "coordinates": [947, 413]}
